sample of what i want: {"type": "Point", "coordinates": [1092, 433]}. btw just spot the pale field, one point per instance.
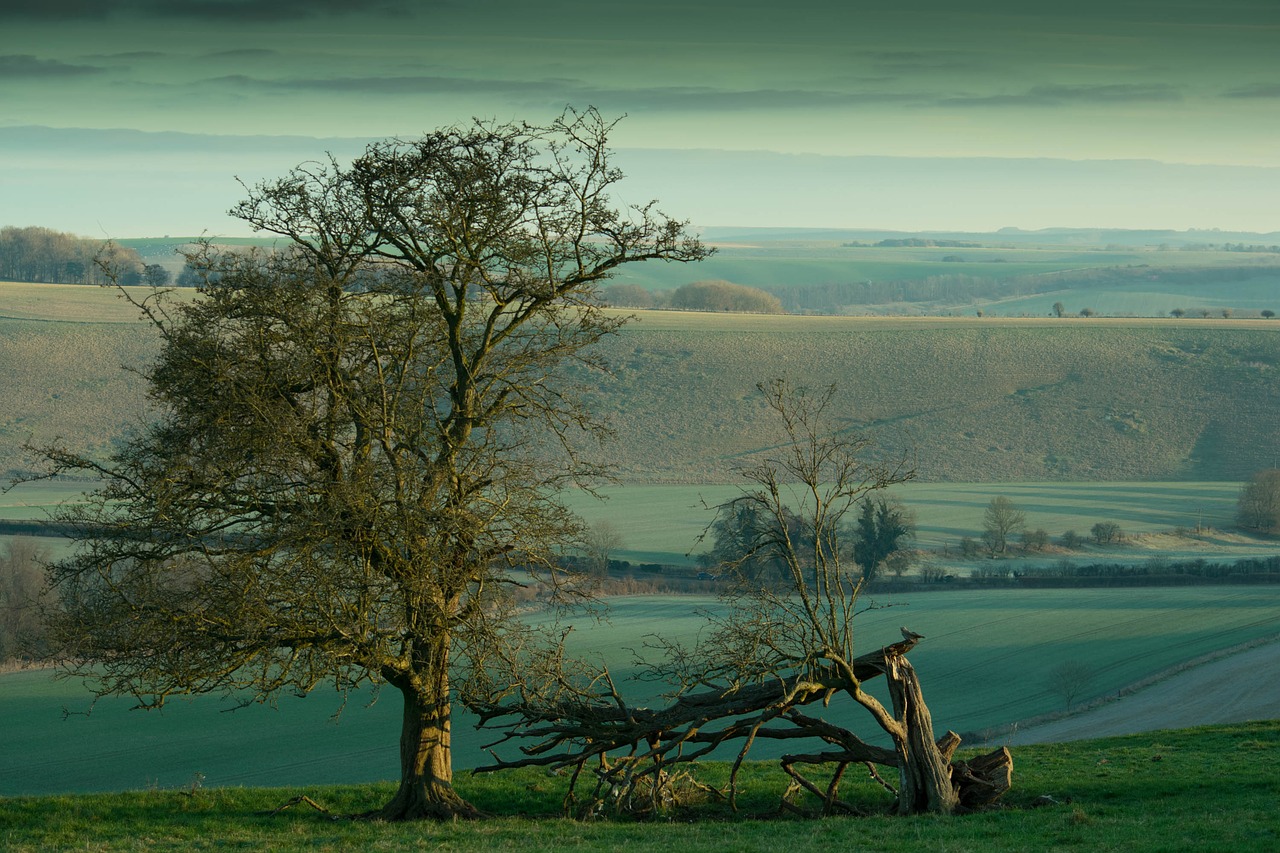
{"type": "Point", "coordinates": [71, 303]}
{"type": "Point", "coordinates": [708, 321]}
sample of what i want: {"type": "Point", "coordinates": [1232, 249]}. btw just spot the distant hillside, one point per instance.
{"type": "Point", "coordinates": [968, 399]}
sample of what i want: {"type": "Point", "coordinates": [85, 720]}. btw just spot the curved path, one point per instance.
{"type": "Point", "coordinates": [1234, 689]}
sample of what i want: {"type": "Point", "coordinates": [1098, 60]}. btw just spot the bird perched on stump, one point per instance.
{"type": "Point", "coordinates": [909, 635]}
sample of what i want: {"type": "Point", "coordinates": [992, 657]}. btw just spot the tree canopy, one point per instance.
{"type": "Point", "coordinates": [1258, 507]}
{"type": "Point", "coordinates": [361, 436]}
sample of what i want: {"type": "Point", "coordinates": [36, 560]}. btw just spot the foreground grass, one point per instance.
{"type": "Point", "coordinates": [1196, 789]}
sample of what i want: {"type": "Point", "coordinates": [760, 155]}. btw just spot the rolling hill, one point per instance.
{"type": "Point", "coordinates": [968, 399]}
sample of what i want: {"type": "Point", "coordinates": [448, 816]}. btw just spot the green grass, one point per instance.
{"type": "Point", "coordinates": [1199, 789]}
{"type": "Point", "coordinates": [982, 666]}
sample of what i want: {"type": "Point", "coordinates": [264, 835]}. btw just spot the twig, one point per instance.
{"type": "Point", "coordinates": [301, 798]}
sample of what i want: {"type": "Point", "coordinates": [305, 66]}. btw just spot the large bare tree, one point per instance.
{"type": "Point", "coordinates": [361, 435]}
{"type": "Point", "coordinates": [784, 641]}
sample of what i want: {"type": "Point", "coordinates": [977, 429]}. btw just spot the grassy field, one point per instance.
{"type": "Point", "coordinates": [966, 400]}
{"type": "Point", "coordinates": [969, 400]}
{"type": "Point", "coordinates": [663, 523]}
{"type": "Point", "coordinates": [983, 665]}
{"type": "Point", "coordinates": [1212, 788]}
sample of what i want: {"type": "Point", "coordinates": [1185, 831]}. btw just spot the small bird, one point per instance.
{"type": "Point", "coordinates": [911, 635]}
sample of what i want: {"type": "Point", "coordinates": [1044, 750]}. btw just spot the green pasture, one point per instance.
{"type": "Point", "coordinates": [1209, 788]}
{"type": "Point", "coordinates": [663, 523]}
{"type": "Point", "coordinates": [982, 665]}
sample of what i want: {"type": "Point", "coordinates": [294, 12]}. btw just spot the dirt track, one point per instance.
{"type": "Point", "coordinates": [1241, 687]}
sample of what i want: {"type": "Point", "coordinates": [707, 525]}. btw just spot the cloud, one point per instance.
{"type": "Point", "coordinates": [1064, 95]}
{"type": "Point", "coordinates": [1261, 90]}
{"type": "Point", "coordinates": [256, 11]}
{"type": "Point", "coordinates": [232, 11]}
{"type": "Point", "coordinates": [243, 53]}
{"type": "Point", "coordinates": [911, 61]}
{"type": "Point", "coordinates": [129, 55]}
{"type": "Point", "coordinates": [566, 90]}
{"type": "Point", "coordinates": [26, 66]}
{"type": "Point", "coordinates": [60, 10]}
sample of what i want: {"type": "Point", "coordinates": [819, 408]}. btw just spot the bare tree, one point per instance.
{"type": "Point", "coordinates": [1000, 521]}
{"type": "Point", "coordinates": [1258, 507]}
{"type": "Point", "coordinates": [600, 540]}
{"type": "Point", "coordinates": [22, 633]}
{"type": "Point", "coordinates": [361, 437]}
{"type": "Point", "coordinates": [1069, 679]}
{"type": "Point", "coordinates": [784, 641]}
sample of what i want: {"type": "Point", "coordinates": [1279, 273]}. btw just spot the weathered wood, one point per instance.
{"type": "Point", "coordinates": [983, 780]}
{"type": "Point", "coordinates": [568, 734]}
{"type": "Point", "coordinates": [923, 773]}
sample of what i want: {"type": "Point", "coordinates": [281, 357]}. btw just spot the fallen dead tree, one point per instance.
{"type": "Point", "coordinates": [628, 758]}
{"type": "Point", "coordinates": [784, 644]}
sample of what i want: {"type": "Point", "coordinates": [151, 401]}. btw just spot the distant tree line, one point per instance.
{"type": "Point", "coordinates": [1252, 248]}
{"type": "Point", "coordinates": [1155, 572]}
{"type": "Point", "coordinates": [922, 242]}
{"type": "Point", "coordinates": [42, 255]}
{"type": "Point", "coordinates": [954, 288]}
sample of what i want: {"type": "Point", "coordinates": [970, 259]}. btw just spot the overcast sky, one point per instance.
{"type": "Point", "coordinates": [1176, 82]}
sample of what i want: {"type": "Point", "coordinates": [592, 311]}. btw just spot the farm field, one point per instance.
{"type": "Point", "coordinates": [983, 665]}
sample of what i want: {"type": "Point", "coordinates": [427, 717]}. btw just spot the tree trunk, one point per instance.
{"type": "Point", "coordinates": [426, 754]}
{"type": "Point", "coordinates": [924, 774]}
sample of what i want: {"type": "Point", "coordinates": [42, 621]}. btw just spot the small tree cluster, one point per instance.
{"type": "Point", "coordinates": [724, 296]}
{"type": "Point", "coordinates": [882, 528]}
{"type": "Point", "coordinates": [1000, 521]}
{"type": "Point", "coordinates": [1258, 507]}
{"type": "Point", "coordinates": [1106, 533]}
{"type": "Point", "coordinates": [628, 296]}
